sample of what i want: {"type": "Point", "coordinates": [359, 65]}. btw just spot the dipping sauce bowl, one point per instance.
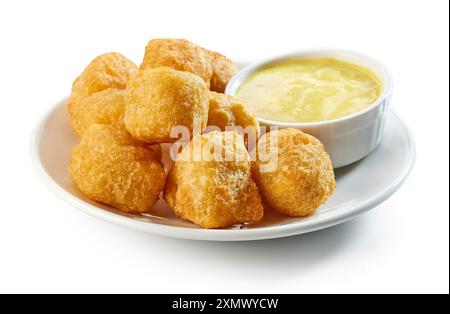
{"type": "Point", "coordinates": [346, 139]}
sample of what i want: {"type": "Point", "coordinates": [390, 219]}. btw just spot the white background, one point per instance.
{"type": "Point", "coordinates": [47, 246]}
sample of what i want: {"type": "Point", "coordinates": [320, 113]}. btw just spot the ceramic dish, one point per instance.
{"type": "Point", "coordinates": [347, 139]}
{"type": "Point", "coordinates": [360, 186]}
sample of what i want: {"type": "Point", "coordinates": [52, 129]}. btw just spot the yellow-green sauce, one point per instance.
{"type": "Point", "coordinates": [310, 90]}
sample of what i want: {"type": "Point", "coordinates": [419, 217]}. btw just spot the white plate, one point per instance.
{"type": "Point", "coordinates": [360, 186]}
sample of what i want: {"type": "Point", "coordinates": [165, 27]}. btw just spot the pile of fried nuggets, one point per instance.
{"type": "Point", "coordinates": [121, 114]}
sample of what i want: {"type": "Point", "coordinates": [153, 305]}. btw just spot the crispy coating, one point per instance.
{"type": "Point", "coordinates": [182, 55]}
{"type": "Point", "coordinates": [109, 70]}
{"type": "Point", "coordinates": [104, 107]}
{"type": "Point", "coordinates": [223, 69]}
{"type": "Point", "coordinates": [304, 178]}
{"type": "Point", "coordinates": [178, 54]}
{"type": "Point", "coordinates": [157, 100]}
{"type": "Point", "coordinates": [214, 193]}
{"type": "Point", "coordinates": [110, 167]}
{"type": "Point", "coordinates": [230, 111]}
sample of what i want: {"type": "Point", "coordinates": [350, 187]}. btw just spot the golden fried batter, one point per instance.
{"type": "Point", "coordinates": [178, 54]}
{"type": "Point", "coordinates": [230, 111]}
{"type": "Point", "coordinates": [110, 167]}
{"type": "Point", "coordinates": [183, 55]}
{"type": "Point", "coordinates": [214, 193]}
{"type": "Point", "coordinates": [223, 69]}
{"type": "Point", "coordinates": [304, 177]}
{"type": "Point", "coordinates": [105, 107]}
{"type": "Point", "coordinates": [156, 100]}
{"type": "Point", "coordinates": [109, 70]}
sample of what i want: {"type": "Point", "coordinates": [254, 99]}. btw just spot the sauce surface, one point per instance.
{"type": "Point", "coordinates": [310, 90]}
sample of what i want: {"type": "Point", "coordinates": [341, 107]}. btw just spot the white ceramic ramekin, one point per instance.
{"type": "Point", "coordinates": [347, 139]}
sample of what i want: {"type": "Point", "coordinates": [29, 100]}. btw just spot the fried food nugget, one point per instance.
{"type": "Point", "coordinates": [109, 70]}
{"type": "Point", "coordinates": [223, 69]}
{"type": "Point", "coordinates": [159, 99]}
{"type": "Point", "coordinates": [110, 167]}
{"type": "Point", "coordinates": [214, 193]}
{"type": "Point", "coordinates": [303, 178]}
{"type": "Point", "coordinates": [178, 54]}
{"type": "Point", "coordinates": [104, 107]}
{"type": "Point", "coordinates": [183, 55]}
{"type": "Point", "coordinates": [230, 111]}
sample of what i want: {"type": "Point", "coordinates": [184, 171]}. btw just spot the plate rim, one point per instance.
{"type": "Point", "coordinates": [269, 232]}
